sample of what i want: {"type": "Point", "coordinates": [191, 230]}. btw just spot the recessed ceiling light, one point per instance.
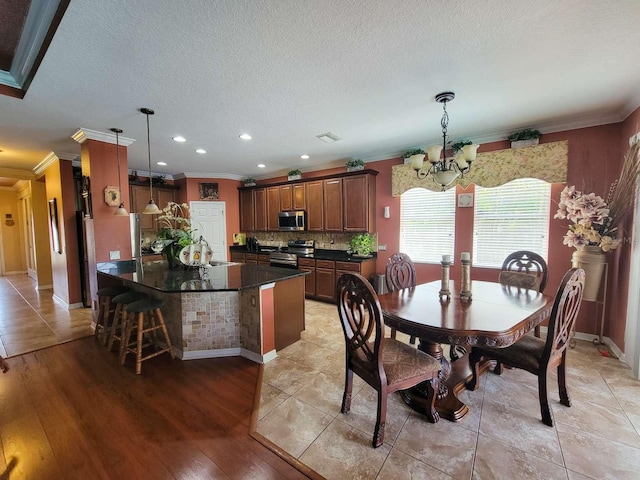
{"type": "Point", "coordinates": [179, 139]}
{"type": "Point", "coordinates": [261, 165]}
{"type": "Point", "coordinates": [304, 157]}
{"type": "Point", "coordinates": [164, 164]}
{"type": "Point", "coordinates": [200, 150]}
{"type": "Point", "coordinates": [245, 136]}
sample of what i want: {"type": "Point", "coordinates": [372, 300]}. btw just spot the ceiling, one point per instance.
{"type": "Point", "coordinates": [285, 71]}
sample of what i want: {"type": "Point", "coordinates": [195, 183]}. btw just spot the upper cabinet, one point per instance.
{"type": "Point", "coordinates": [359, 203]}
{"type": "Point", "coordinates": [140, 199]}
{"type": "Point", "coordinates": [338, 203]}
{"type": "Point", "coordinates": [333, 205]}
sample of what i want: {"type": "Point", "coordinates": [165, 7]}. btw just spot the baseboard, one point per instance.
{"type": "Point", "coordinates": [225, 352]}
{"type": "Point", "coordinates": [17, 272]}
{"type": "Point", "coordinates": [76, 305]}
{"type": "Point", "coordinates": [594, 338]}
{"type": "Point", "coordinates": [60, 301]}
{"type": "Point", "coordinates": [44, 287]}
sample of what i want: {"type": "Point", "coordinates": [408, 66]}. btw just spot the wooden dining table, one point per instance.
{"type": "Point", "coordinates": [496, 316]}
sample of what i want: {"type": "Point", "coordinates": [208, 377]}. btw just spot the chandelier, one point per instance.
{"type": "Point", "coordinates": [444, 169]}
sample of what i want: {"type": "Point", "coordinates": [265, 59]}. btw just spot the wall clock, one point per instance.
{"type": "Point", "coordinates": [111, 196]}
{"type": "Point", "coordinates": [465, 200]}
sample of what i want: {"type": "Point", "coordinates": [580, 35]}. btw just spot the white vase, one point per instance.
{"type": "Point", "coordinates": [592, 260]}
{"type": "Point", "coordinates": [525, 143]}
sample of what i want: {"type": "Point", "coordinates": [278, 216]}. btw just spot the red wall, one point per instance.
{"type": "Point", "coordinates": [595, 158]}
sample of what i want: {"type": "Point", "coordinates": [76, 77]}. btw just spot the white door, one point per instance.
{"type": "Point", "coordinates": [209, 220]}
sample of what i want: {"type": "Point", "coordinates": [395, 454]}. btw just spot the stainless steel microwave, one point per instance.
{"type": "Point", "coordinates": [292, 221]}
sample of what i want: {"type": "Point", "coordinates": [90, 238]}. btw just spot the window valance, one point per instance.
{"type": "Point", "coordinates": [547, 162]}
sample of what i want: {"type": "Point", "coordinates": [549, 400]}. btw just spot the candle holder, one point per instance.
{"type": "Point", "coordinates": [445, 293]}
{"type": "Point", "coordinates": [465, 288]}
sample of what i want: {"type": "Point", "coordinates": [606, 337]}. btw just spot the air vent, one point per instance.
{"type": "Point", "coordinates": [328, 137]}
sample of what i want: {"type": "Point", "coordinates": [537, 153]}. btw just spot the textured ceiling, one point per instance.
{"type": "Point", "coordinates": [288, 70]}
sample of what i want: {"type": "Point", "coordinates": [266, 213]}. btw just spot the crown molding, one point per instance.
{"type": "Point", "coordinates": [68, 156]}
{"type": "Point", "coordinates": [49, 160]}
{"type": "Point", "coordinates": [17, 173]}
{"type": "Point", "coordinates": [226, 176]}
{"type": "Point", "coordinates": [83, 134]}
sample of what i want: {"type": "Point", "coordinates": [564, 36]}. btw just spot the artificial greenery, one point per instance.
{"type": "Point", "coordinates": [249, 180]}
{"type": "Point", "coordinates": [526, 134]}
{"type": "Point", "coordinates": [457, 147]}
{"type": "Point", "coordinates": [295, 172]}
{"type": "Point", "coordinates": [356, 162]}
{"type": "Point", "coordinates": [417, 151]}
{"type": "Point", "coordinates": [361, 244]}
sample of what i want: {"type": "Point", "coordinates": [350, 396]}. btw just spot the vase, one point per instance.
{"type": "Point", "coordinates": [592, 260]}
{"type": "Point", "coordinates": [525, 143]}
{"type": "Point", "coordinates": [172, 254]}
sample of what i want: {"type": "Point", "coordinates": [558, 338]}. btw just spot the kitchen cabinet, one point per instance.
{"type": "Point", "coordinates": [237, 257]}
{"type": "Point", "coordinates": [251, 258]}
{"type": "Point", "coordinates": [299, 202]}
{"type": "Point", "coordinates": [286, 198]}
{"type": "Point", "coordinates": [325, 280]}
{"type": "Point", "coordinates": [273, 207]}
{"type": "Point", "coordinates": [308, 265]}
{"type": "Point", "coordinates": [315, 210]}
{"type": "Point", "coordinates": [338, 203]}
{"type": "Point", "coordinates": [247, 210]}
{"type": "Point", "coordinates": [140, 198]}
{"type": "Point", "coordinates": [260, 201]}
{"type": "Point", "coordinates": [264, 259]}
{"type": "Point", "coordinates": [333, 205]}
{"type": "Point", "coordinates": [358, 196]}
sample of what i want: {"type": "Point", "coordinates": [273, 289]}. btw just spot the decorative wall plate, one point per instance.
{"type": "Point", "coordinates": [196, 254]}
{"type": "Point", "coordinates": [111, 196]}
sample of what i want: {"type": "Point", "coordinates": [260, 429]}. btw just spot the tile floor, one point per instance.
{"type": "Point", "coordinates": [501, 438]}
{"type": "Point", "coordinates": [31, 320]}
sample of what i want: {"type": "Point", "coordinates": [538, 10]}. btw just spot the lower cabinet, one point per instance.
{"type": "Point", "coordinates": [308, 265]}
{"type": "Point", "coordinates": [325, 280]}
{"type": "Point", "coordinates": [320, 284]}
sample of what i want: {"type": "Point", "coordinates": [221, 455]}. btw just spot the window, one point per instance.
{"type": "Point", "coordinates": [427, 224]}
{"type": "Point", "coordinates": [511, 217]}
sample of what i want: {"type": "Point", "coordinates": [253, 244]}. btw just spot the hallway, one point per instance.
{"type": "Point", "coordinates": [31, 319]}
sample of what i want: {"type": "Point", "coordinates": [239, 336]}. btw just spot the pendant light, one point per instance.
{"type": "Point", "coordinates": [121, 211]}
{"type": "Point", "coordinates": [151, 207]}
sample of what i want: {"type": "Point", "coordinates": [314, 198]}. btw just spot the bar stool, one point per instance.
{"type": "Point", "coordinates": [106, 309]}
{"type": "Point", "coordinates": [146, 317]}
{"type": "Point", "coordinates": [120, 317]}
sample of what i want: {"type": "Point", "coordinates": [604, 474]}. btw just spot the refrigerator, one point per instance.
{"type": "Point", "coordinates": [136, 236]}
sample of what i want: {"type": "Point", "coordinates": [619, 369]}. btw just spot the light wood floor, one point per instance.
{"type": "Point", "coordinates": [71, 411]}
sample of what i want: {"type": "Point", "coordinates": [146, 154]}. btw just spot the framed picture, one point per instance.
{"type": "Point", "coordinates": [53, 222]}
{"type": "Point", "coordinates": [209, 191]}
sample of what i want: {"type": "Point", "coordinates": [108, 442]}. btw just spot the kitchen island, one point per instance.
{"type": "Point", "coordinates": [221, 309]}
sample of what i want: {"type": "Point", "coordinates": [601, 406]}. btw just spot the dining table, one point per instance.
{"type": "Point", "coordinates": [495, 315]}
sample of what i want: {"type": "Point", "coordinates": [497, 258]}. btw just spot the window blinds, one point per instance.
{"type": "Point", "coordinates": [427, 224]}
{"type": "Point", "coordinates": [511, 217]}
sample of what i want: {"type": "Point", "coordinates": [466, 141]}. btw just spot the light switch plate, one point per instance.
{"type": "Point", "coordinates": [114, 255]}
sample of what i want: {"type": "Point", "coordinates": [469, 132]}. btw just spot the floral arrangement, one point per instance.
{"type": "Point", "coordinates": [594, 220]}
{"type": "Point", "coordinates": [175, 225]}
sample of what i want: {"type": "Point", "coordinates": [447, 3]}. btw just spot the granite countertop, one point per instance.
{"type": "Point", "coordinates": [319, 254]}
{"type": "Point", "coordinates": [217, 276]}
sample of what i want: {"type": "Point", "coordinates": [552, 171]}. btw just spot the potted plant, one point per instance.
{"type": "Point", "coordinates": [416, 151]}
{"type": "Point", "coordinates": [355, 164]}
{"type": "Point", "coordinates": [361, 245]}
{"type": "Point", "coordinates": [294, 174]}
{"type": "Point", "coordinates": [524, 138]}
{"type": "Point", "coordinates": [457, 147]}
{"type": "Point", "coordinates": [249, 182]}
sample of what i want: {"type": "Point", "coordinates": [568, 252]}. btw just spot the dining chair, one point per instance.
{"type": "Point", "coordinates": [400, 273]}
{"type": "Point", "coordinates": [536, 355]}
{"type": "Point", "coordinates": [525, 262]}
{"type": "Point", "coordinates": [386, 364]}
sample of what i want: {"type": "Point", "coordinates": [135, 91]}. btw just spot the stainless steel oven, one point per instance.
{"type": "Point", "coordinates": [288, 258]}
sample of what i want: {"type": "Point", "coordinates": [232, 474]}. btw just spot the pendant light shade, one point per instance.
{"type": "Point", "coordinates": [121, 211]}
{"type": "Point", "coordinates": [151, 207]}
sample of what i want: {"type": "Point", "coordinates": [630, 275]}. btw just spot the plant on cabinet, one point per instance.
{"type": "Point", "coordinates": [361, 245]}
{"type": "Point", "coordinates": [524, 138]}
{"type": "Point", "coordinates": [294, 174]}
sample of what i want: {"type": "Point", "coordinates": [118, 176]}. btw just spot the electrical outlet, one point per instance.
{"type": "Point", "coordinates": [382, 248]}
{"type": "Point", "coordinates": [114, 255]}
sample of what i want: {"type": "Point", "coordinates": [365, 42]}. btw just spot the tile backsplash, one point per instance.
{"type": "Point", "coordinates": [325, 241]}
